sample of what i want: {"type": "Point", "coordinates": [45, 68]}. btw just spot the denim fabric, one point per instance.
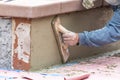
{"type": "Point", "coordinates": [108, 34]}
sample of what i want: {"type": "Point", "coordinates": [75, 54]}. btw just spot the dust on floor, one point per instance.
{"type": "Point", "coordinates": [101, 67]}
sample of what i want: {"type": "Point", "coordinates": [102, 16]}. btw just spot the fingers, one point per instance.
{"type": "Point", "coordinates": [70, 38]}
{"type": "Point", "coordinates": [67, 39]}
{"type": "Point", "coordinates": [69, 43]}
{"type": "Point", "coordinates": [66, 35]}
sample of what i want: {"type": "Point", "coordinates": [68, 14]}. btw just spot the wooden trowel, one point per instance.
{"type": "Point", "coordinates": [58, 31]}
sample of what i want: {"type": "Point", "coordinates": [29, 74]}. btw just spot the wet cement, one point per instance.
{"type": "Point", "coordinates": [44, 48]}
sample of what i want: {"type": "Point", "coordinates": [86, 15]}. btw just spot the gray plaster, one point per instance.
{"type": "Point", "coordinates": [5, 43]}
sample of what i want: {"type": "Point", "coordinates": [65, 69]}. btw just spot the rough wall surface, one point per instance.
{"type": "Point", "coordinates": [21, 43]}
{"type": "Point", "coordinates": [5, 43]}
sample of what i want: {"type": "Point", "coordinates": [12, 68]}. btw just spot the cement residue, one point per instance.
{"type": "Point", "coordinates": [115, 53]}
{"type": "Point", "coordinates": [98, 64]}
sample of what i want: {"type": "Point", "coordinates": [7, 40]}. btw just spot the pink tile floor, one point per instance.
{"type": "Point", "coordinates": [100, 68]}
{"type": "Point", "coordinates": [105, 67]}
{"type": "Point", "coordinates": [15, 75]}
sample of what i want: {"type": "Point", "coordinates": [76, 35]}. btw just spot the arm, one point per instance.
{"type": "Point", "coordinates": [108, 34]}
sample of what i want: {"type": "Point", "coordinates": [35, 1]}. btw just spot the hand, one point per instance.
{"type": "Point", "coordinates": [88, 3]}
{"type": "Point", "coordinates": [70, 38]}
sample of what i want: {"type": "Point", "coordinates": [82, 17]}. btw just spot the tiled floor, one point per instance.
{"type": "Point", "coordinates": [100, 67]}
{"type": "Point", "coordinates": [20, 75]}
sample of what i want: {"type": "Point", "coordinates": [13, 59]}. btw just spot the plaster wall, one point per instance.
{"type": "Point", "coordinates": [86, 21]}
{"type": "Point", "coordinates": [44, 50]}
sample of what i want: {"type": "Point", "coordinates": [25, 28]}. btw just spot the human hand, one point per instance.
{"type": "Point", "coordinates": [88, 3]}
{"type": "Point", "coordinates": [70, 38]}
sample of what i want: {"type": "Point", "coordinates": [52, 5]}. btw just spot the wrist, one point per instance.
{"type": "Point", "coordinates": [77, 39]}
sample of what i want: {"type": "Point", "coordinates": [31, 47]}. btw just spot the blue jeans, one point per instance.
{"type": "Point", "coordinates": [108, 34]}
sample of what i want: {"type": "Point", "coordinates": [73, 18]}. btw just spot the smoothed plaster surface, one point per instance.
{"type": "Point", "coordinates": [44, 49]}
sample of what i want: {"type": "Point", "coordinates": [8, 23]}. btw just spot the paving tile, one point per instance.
{"type": "Point", "coordinates": [46, 10]}
{"type": "Point", "coordinates": [101, 67]}
{"type": "Point", "coordinates": [35, 9]}
{"type": "Point", "coordinates": [14, 11]}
